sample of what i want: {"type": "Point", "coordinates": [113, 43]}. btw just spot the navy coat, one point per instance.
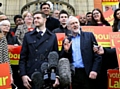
{"type": "Point", "coordinates": [34, 53]}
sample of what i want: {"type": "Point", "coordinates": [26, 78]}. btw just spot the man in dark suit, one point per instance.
{"type": "Point", "coordinates": [35, 49]}
{"type": "Point", "coordinates": [78, 48]}
{"type": "Point", "coordinates": [63, 17]}
{"type": "Point", "coordinates": [51, 22]}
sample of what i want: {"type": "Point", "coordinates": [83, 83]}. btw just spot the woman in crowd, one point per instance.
{"type": "Point", "coordinates": [109, 59]}
{"type": "Point", "coordinates": [24, 28]}
{"type": "Point", "coordinates": [11, 40]}
{"type": "Point", "coordinates": [116, 24]}
{"type": "Point", "coordinates": [4, 52]}
{"type": "Point", "coordinates": [5, 27]}
{"type": "Point", "coordinates": [98, 18]}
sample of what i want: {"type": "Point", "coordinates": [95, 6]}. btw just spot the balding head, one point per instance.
{"type": "Point", "coordinates": [82, 19]}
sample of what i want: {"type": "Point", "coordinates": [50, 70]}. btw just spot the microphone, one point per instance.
{"type": "Point", "coordinates": [37, 79]}
{"type": "Point", "coordinates": [64, 72]}
{"type": "Point", "coordinates": [53, 62]}
{"type": "Point", "coordinates": [44, 69]}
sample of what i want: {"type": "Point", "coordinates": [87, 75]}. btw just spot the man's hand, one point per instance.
{"type": "Point", "coordinates": [56, 82]}
{"type": "Point", "coordinates": [99, 50]}
{"type": "Point", "coordinates": [93, 75]}
{"type": "Point", "coordinates": [26, 81]}
{"type": "Point", "coordinates": [67, 45]}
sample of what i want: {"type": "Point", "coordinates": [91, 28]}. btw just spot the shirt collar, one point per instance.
{"type": "Point", "coordinates": [44, 30]}
{"type": "Point", "coordinates": [74, 34]}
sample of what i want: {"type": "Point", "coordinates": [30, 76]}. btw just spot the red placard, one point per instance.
{"type": "Point", "coordinates": [113, 79]}
{"type": "Point", "coordinates": [60, 38]}
{"type": "Point", "coordinates": [14, 54]}
{"type": "Point", "coordinates": [101, 34]}
{"type": "Point", "coordinates": [5, 82]}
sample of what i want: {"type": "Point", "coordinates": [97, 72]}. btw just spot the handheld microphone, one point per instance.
{"type": "Point", "coordinates": [64, 72]}
{"type": "Point", "coordinates": [37, 79]}
{"type": "Point", "coordinates": [44, 69]}
{"type": "Point", "coordinates": [53, 62]}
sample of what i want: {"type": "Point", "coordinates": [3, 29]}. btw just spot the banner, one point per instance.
{"type": "Point", "coordinates": [14, 54]}
{"type": "Point", "coordinates": [109, 16]}
{"type": "Point", "coordinates": [113, 79]}
{"type": "Point", "coordinates": [60, 38]}
{"type": "Point", "coordinates": [5, 82]}
{"type": "Point", "coordinates": [113, 36]}
{"type": "Point", "coordinates": [115, 43]}
{"type": "Point", "coordinates": [101, 34]}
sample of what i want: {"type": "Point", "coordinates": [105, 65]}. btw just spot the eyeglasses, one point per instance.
{"type": "Point", "coordinates": [96, 13]}
{"type": "Point", "coordinates": [29, 16]}
{"type": "Point", "coordinates": [6, 25]}
{"type": "Point", "coordinates": [4, 19]}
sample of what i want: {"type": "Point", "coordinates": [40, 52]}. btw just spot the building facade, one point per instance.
{"type": "Point", "coordinates": [74, 7]}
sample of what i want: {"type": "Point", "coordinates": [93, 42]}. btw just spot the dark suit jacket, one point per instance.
{"type": "Point", "coordinates": [52, 23]}
{"type": "Point", "coordinates": [91, 60]}
{"type": "Point", "coordinates": [34, 53]}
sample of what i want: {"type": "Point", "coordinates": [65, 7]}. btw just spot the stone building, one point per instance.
{"type": "Point", "coordinates": [74, 7]}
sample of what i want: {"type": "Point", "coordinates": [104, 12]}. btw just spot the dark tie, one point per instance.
{"type": "Point", "coordinates": [39, 34]}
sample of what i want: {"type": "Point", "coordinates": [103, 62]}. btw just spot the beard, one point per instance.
{"type": "Point", "coordinates": [76, 31]}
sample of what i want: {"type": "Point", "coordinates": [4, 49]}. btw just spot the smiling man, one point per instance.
{"type": "Point", "coordinates": [51, 22]}
{"type": "Point", "coordinates": [78, 48]}
{"type": "Point", "coordinates": [35, 50]}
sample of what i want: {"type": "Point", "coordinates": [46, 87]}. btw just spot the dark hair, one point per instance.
{"type": "Point", "coordinates": [38, 12]}
{"type": "Point", "coordinates": [116, 20]}
{"type": "Point", "coordinates": [88, 13]}
{"type": "Point", "coordinates": [17, 16]}
{"type": "Point", "coordinates": [44, 4]}
{"type": "Point", "coordinates": [63, 12]}
{"type": "Point", "coordinates": [102, 19]}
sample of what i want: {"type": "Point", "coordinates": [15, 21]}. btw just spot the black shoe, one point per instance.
{"type": "Point", "coordinates": [37, 79]}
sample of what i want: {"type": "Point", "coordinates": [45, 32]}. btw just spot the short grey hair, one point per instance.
{"type": "Point", "coordinates": [71, 18]}
{"type": "Point", "coordinates": [6, 22]}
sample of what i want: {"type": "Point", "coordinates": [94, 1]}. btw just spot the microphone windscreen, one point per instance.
{"type": "Point", "coordinates": [64, 72]}
{"type": "Point", "coordinates": [37, 79]}
{"type": "Point", "coordinates": [53, 59]}
{"type": "Point", "coordinates": [44, 66]}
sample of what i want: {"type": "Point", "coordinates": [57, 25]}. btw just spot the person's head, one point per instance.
{"type": "Point", "coordinates": [82, 19]}
{"type": "Point", "coordinates": [5, 26]}
{"type": "Point", "coordinates": [117, 14]}
{"type": "Point", "coordinates": [56, 14]}
{"type": "Point", "coordinates": [39, 19]}
{"type": "Point", "coordinates": [97, 15]}
{"type": "Point", "coordinates": [27, 16]}
{"type": "Point", "coordinates": [107, 8]}
{"type": "Point", "coordinates": [89, 16]}
{"type": "Point", "coordinates": [45, 8]}
{"type": "Point", "coordinates": [73, 24]}
{"type": "Point", "coordinates": [3, 17]}
{"type": "Point", "coordinates": [63, 17]}
{"type": "Point", "coordinates": [18, 20]}
{"type": "Point", "coordinates": [116, 19]}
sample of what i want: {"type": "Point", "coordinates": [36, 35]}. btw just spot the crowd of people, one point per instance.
{"type": "Point", "coordinates": [35, 32]}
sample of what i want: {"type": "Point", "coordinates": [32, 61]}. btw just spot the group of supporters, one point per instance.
{"type": "Point", "coordinates": [90, 62]}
